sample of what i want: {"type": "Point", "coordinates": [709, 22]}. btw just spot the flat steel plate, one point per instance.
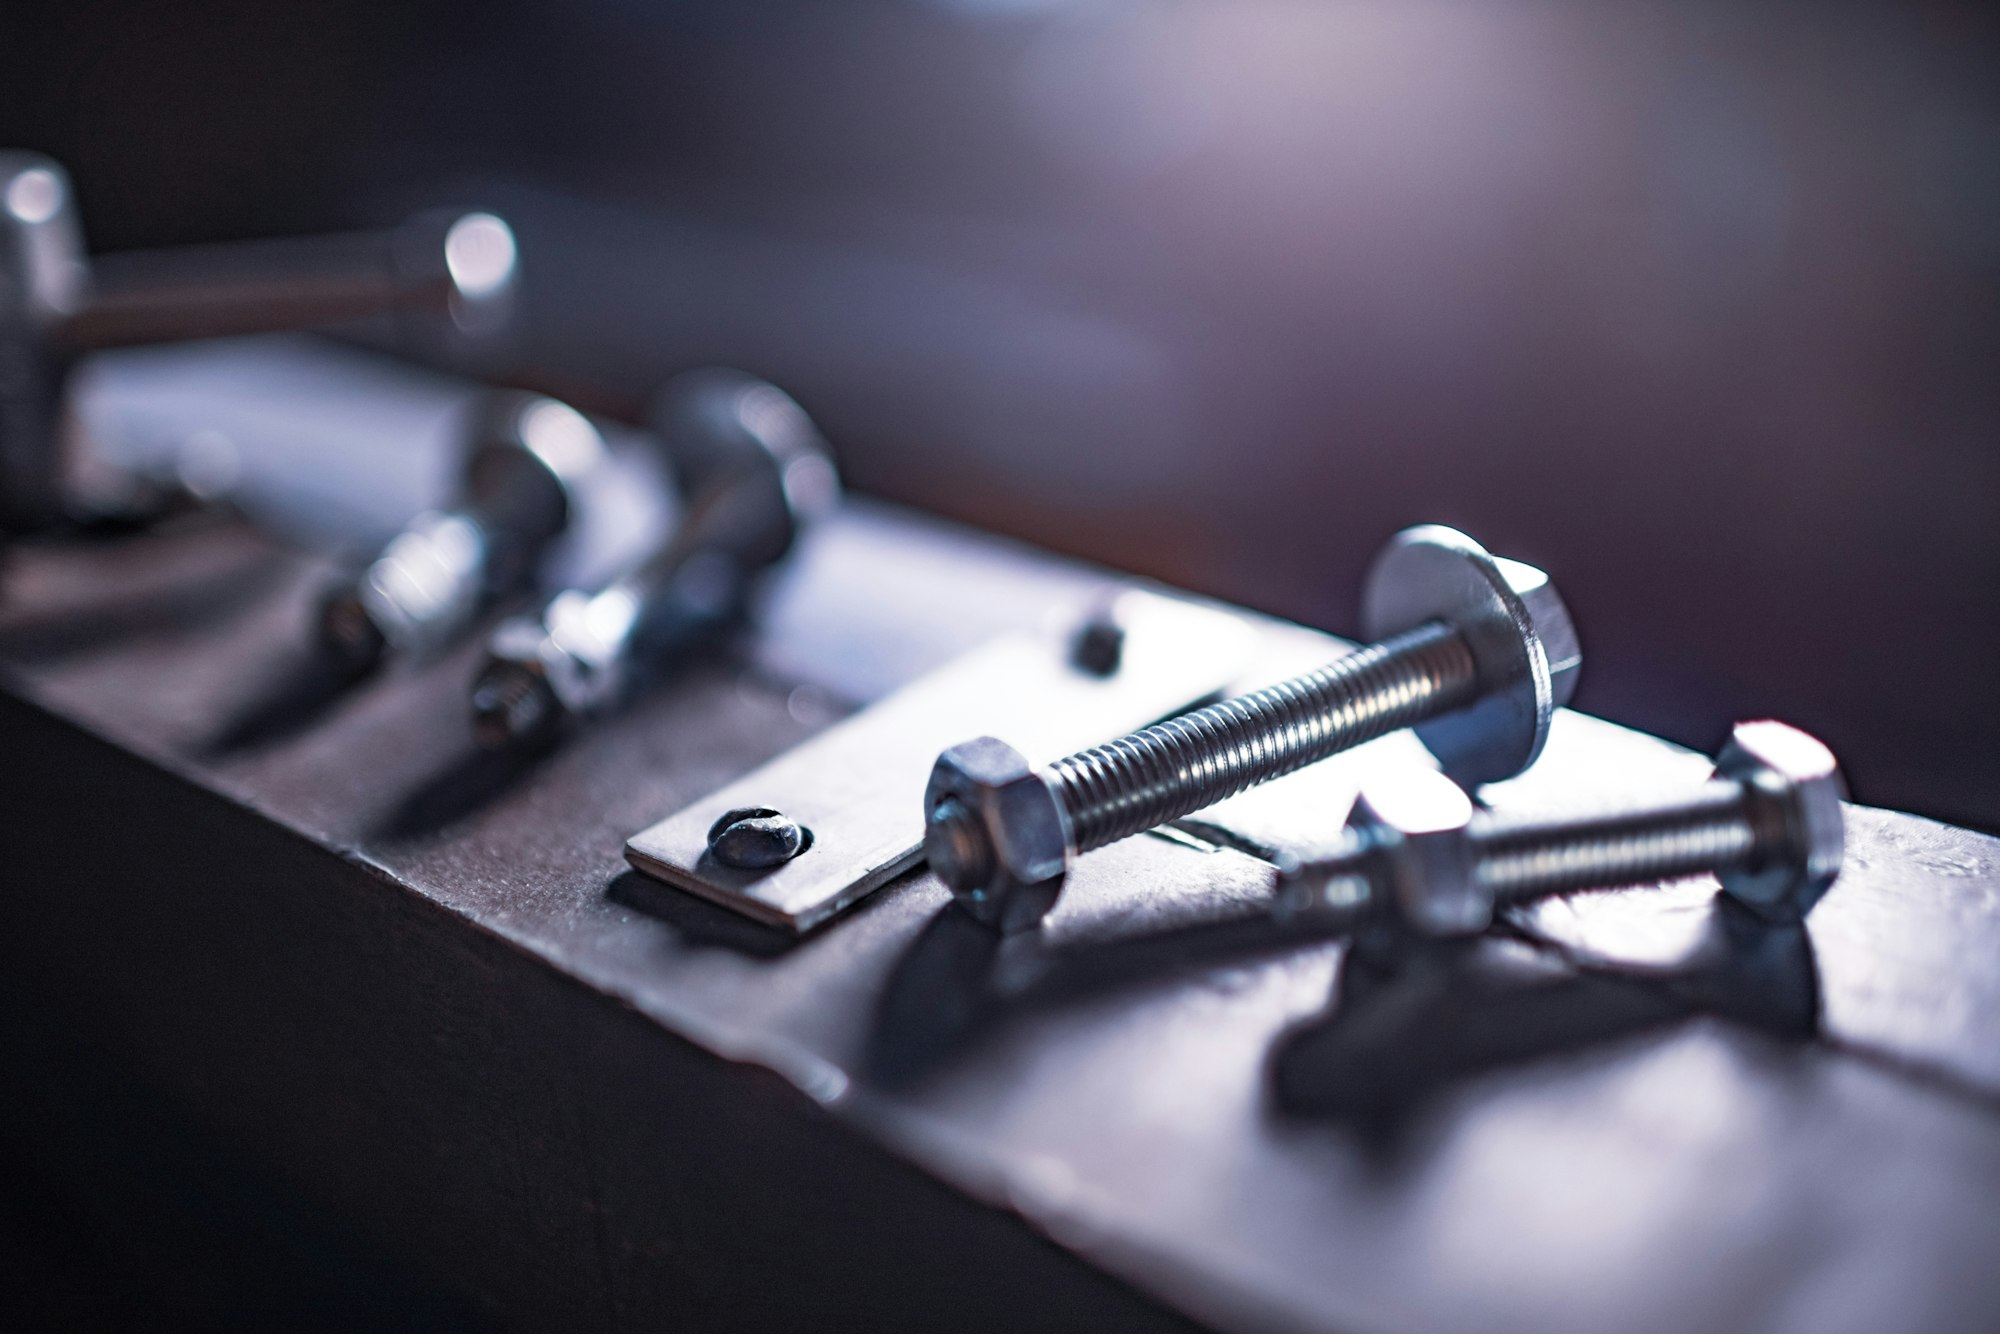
{"type": "Point", "coordinates": [858, 786]}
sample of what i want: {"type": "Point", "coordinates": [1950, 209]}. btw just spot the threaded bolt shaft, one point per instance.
{"type": "Point", "coordinates": [1474, 652]}
{"type": "Point", "coordinates": [1718, 828]}
{"type": "Point", "coordinates": [512, 705]}
{"type": "Point", "coordinates": [1771, 835]}
{"type": "Point", "coordinates": [1184, 764]}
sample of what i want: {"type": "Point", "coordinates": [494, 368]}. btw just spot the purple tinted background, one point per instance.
{"type": "Point", "coordinates": [1696, 305]}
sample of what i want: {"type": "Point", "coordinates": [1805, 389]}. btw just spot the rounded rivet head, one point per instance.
{"type": "Point", "coordinates": [756, 838]}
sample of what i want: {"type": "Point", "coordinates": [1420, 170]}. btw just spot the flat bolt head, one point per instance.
{"type": "Point", "coordinates": [1523, 643]}
{"type": "Point", "coordinates": [995, 833]}
{"type": "Point", "coordinates": [1792, 778]}
{"type": "Point", "coordinates": [1549, 616]}
{"type": "Point", "coordinates": [1418, 822]}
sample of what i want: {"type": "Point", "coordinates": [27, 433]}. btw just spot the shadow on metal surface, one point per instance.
{"type": "Point", "coordinates": [959, 979]}
{"type": "Point", "coordinates": [1410, 1019]}
{"type": "Point", "coordinates": [457, 789]}
{"type": "Point", "coordinates": [300, 689]}
{"type": "Point", "coordinates": [213, 598]}
{"type": "Point", "coordinates": [700, 922]}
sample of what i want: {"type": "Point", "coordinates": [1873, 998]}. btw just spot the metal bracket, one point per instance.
{"type": "Point", "coordinates": [858, 787]}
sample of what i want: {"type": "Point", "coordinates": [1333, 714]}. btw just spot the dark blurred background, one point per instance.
{"type": "Point", "coordinates": [1694, 304]}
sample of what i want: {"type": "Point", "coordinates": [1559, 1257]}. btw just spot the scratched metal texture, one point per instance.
{"type": "Point", "coordinates": [1624, 1110]}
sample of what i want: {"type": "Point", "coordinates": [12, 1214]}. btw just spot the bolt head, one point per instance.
{"type": "Point", "coordinates": [528, 457]}
{"type": "Point", "coordinates": [1523, 642]}
{"type": "Point", "coordinates": [466, 265]}
{"type": "Point", "coordinates": [1417, 824]}
{"type": "Point", "coordinates": [1796, 780]}
{"type": "Point", "coordinates": [995, 833]}
{"type": "Point", "coordinates": [751, 465]}
{"type": "Point", "coordinates": [1550, 623]}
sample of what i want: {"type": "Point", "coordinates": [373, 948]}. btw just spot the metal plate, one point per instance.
{"type": "Point", "coordinates": [859, 785]}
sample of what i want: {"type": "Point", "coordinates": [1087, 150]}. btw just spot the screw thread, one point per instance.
{"type": "Point", "coordinates": [510, 704]}
{"type": "Point", "coordinates": [349, 638]}
{"type": "Point", "coordinates": [1720, 827]}
{"type": "Point", "coordinates": [1170, 769]}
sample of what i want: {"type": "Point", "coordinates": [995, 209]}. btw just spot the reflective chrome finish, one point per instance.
{"type": "Point", "coordinates": [529, 457]}
{"type": "Point", "coordinates": [56, 304]}
{"type": "Point", "coordinates": [857, 785]}
{"type": "Point", "coordinates": [1769, 826]}
{"type": "Point", "coordinates": [1478, 654]}
{"type": "Point", "coordinates": [754, 472]}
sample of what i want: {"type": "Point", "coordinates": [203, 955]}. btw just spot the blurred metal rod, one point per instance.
{"type": "Point", "coordinates": [458, 264]}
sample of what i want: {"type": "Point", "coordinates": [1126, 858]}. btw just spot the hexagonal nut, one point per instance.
{"type": "Point", "coordinates": [1417, 822]}
{"type": "Point", "coordinates": [1550, 623]}
{"type": "Point", "coordinates": [1793, 782]}
{"type": "Point", "coordinates": [995, 833]}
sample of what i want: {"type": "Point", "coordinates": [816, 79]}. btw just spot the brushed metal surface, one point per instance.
{"type": "Point", "coordinates": [859, 785]}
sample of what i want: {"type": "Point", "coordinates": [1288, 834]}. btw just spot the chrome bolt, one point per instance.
{"type": "Point", "coordinates": [529, 463]}
{"type": "Point", "coordinates": [1474, 651]}
{"type": "Point", "coordinates": [1768, 825]}
{"type": "Point", "coordinates": [753, 474]}
{"type": "Point", "coordinates": [58, 303]}
{"type": "Point", "coordinates": [756, 838]}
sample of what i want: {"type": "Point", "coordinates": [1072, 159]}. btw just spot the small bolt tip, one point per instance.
{"type": "Point", "coordinates": [348, 635]}
{"type": "Point", "coordinates": [510, 708]}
